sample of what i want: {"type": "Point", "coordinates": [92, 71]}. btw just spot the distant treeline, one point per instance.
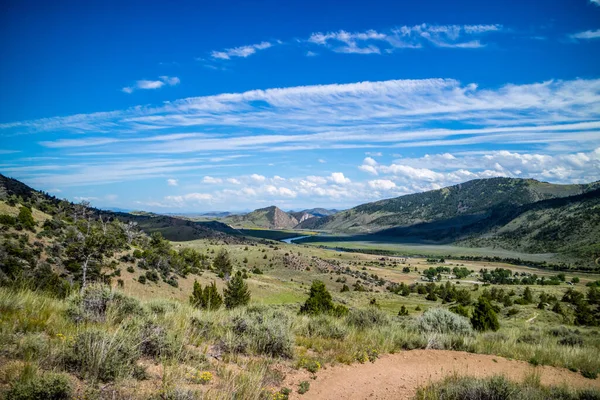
{"type": "Point", "coordinates": [508, 260]}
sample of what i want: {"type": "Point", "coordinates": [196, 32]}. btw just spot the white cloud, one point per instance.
{"type": "Point", "coordinates": [586, 35]}
{"type": "Point", "coordinates": [382, 184]}
{"type": "Point", "coordinates": [339, 178]}
{"type": "Point", "coordinates": [321, 161]}
{"type": "Point", "coordinates": [234, 181]}
{"type": "Point", "coordinates": [311, 54]}
{"type": "Point", "coordinates": [596, 2]}
{"type": "Point", "coordinates": [257, 178]}
{"type": "Point", "coordinates": [242, 51]}
{"type": "Point", "coordinates": [172, 182]}
{"type": "Point", "coordinates": [369, 161]}
{"type": "Point", "coordinates": [374, 153]}
{"type": "Point", "coordinates": [211, 180]}
{"type": "Point", "coordinates": [150, 85]}
{"type": "Point", "coordinates": [404, 37]}
{"type": "Point", "coordinates": [369, 169]}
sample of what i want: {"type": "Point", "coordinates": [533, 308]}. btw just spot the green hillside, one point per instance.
{"type": "Point", "coordinates": [470, 200]}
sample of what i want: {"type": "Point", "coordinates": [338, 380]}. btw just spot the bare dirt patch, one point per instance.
{"type": "Point", "coordinates": [397, 376]}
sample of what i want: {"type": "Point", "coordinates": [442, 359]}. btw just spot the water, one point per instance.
{"type": "Point", "coordinates": [291, 240]}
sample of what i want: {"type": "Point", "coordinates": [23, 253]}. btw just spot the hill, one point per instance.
{"type": "Point", "coordinates": [172, 228]}
{"type": "Point", "coordinates": [275, 218]}
{"type": "Point", "coordinates": [468, 201]}
{"type": "Point", "coordinates": [269, 217]}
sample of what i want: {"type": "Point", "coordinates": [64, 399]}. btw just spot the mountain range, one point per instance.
{"type": "Point", "coordinates": [524, 215]}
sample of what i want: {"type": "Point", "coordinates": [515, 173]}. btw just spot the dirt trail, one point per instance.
{"type": "Point", "coordinates": [397, 376]}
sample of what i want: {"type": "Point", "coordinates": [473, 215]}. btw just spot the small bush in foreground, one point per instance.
{"type": "Point", "coordinates": [440, 320]}
{"type": "Point", "coordinates": [498, 387]}
{"type": "Point", "coordinates": [366, 318]}
{"type": "Point", "coordinates": [47, 386]}
{"type": "Point", "coordinates": [303, 387]}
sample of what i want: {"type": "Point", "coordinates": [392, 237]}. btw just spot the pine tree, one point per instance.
{"type": "Point", "coordinates": [222, 263]}
{"type": "Point", "coordinates": [236, 292]}
{"type": "Point", "coordinates": [197, 295]}
{"type": "Point", "coordinates": [484, 317]}
{"type": "Point", "coordinates": [207, 298]}
{"type": "Point", "coordinates": [213, 300]}
{"type": "Point", "coordinates": [319, 300]}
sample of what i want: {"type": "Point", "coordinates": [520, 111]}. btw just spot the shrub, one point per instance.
{"type": "Point", "coordinates": [403, 311]}
{"type": "Point", "coordinates": [440, 320]}
{"type": "Point", "coordinates": [155, 342]}
{"type": "Point", "coordinates": [262, 331]}
{"type": "Point", "coordinates": [99, 355]}
{"type": "Point", "coordinates": [48, 386]}
{"type": "Point", "coordinates": [26, 218]}
{"type": "Point", "coordinates": [367, 318]}
{"type": "Point", "coordinates": [142, 279]}
{"type": "Point", "coordinates": [303, 387]}
{"type": "Point", "coordinates": [326, 327]}
{"type": "Point", "coordinates": [499, 387]}
{"type": "Point", "coordinates": [571, 340]}
{"type": "Point", "coordinates": [484, 317]}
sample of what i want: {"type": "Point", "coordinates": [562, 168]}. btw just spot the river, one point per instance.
{"type": "Point", "coordinates": [291, 240]}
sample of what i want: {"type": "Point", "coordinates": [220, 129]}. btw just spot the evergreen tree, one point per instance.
{"type": "Point", "coordinates": [207, 298]}
{"type": "Point", "coordinates": [403, 311]}
{"type": "Point", "coordinates": [319, 300]}
{"type": "Point", "coordinates": [236, 292]}
{"type": "Point", "coordinates": [197, 295]}
{"type": "Point", "coordinates": [222, 263]}
{"type": "Point", "coordinates": [345, 288]}
{"type": "Point", "coordinates": [527, 295]}
{"type": "Point", "coordinates": [484, 317]}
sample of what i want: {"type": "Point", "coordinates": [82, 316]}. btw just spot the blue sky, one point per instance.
{"type": "Point", "coordinates": [198, 106]}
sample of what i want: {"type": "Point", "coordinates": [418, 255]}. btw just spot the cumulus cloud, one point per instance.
{"type": "Point", "coordinates": [257, 178]}
{"type": "Point", "coordinates": [382, 184]}
{"type": "Point", "coordinates": [339, 178]}
{"type": "Point", "coordinates": [172, 182]}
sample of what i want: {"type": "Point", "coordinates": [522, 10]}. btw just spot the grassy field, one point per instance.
{"type": "Point", "coordinates": [386, 244]}
{"type": "Point", "coordinates": [146, 341]}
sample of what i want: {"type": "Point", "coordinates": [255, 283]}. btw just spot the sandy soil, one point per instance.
{"type": "Point", "coordinates": [397, 376]}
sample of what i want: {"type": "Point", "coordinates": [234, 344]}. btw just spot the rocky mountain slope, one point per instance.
{"type": "Point", "coordinates": [468, 201]}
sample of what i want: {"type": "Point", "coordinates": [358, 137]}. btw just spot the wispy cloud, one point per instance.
{"type": "Point", "coordinates": [415, 37]}
{"type": "Point", "coordinates": [596, 2]}
{"type": "Point", "coordinates": [586, 35]}
{"type": "Point", "coordinates": [151, 85]}
{"type": "Point", "coordinates": [184, 137]}
{"type": "Point", "coordinates": [242, 51]}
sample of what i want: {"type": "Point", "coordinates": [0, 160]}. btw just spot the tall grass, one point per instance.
{"type": "Point", "coordinates": [105, 336]}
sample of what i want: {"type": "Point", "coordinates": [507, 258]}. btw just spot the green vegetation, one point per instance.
{"type": "Point", "coordinates": [89, 301]}
{"type": "Point", "coordinates": [236, 293]}
{"type": "Point", "coordinates": [498, 387]}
